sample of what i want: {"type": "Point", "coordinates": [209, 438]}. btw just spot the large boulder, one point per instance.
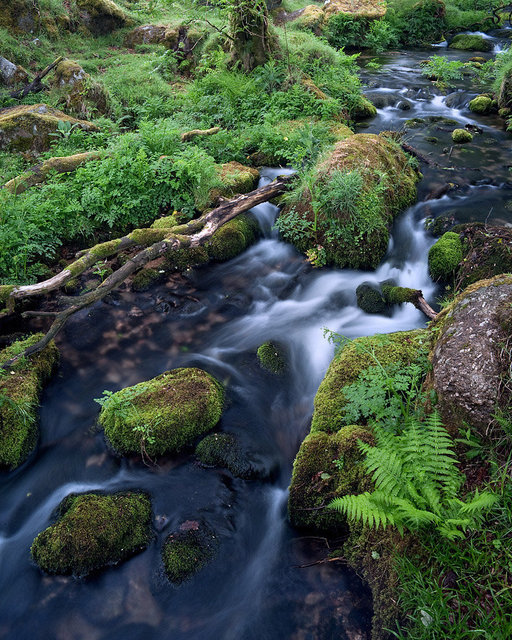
{"type": "Point", "coordinates": [162, 415]}
{"type": "Point", "coordinates": [343, 214]}
{"type": "Point", "coordinates": [19, 398]}
{"type": "Point", "coordinates": [233, 238]}
{"type": "Point", "coordinates": [470, 360]}
{"type": "Point", "coordinates": [93, 532]}
{"type": "Point", "coordinates": [29, 127]}
{"type": "Point", "coordinates": [82, 95]}
{"type": "Point", "coordinates": [102, 16]}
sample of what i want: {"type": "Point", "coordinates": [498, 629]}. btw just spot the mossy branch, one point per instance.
{"type": "Point", "coordinates": [157, 242]}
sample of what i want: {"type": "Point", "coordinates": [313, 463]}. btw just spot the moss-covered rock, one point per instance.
{"type": "Point", "coordinates": [20, 389]}
{"type": "Point", "coordinates": [364, 109]}
{"type": "Point", "coordinates": [379, 180]}
{"type": "Point", "coordinates": [327, 466]}
{"type": "Point", "coordinates": [82, 95]}
{"type": "Point", "coordinates": [233, 238]}
{"type": "Point", "coordinates": [29, 127]}
{"type": "Point", "coordinates": [102, 16]}
{"type": "Point", "coordinates": [470, 42]}
{"type": "Point", "coordinates": [11, 74]}
{"type": "Point", "coordinates": [235, 178]}
{"type": "Point", "coordinates": [145, 278]}
{"type": "Point", "coordinates": [312, 17]}
{"type": "Point", "coordinates": [18, 16]}
{"type": "Point", "coordinates": [224, 450]}
{"type": "Point", "coordinates": [480, 104]}
{"type": "Point", "coordinates": [187, 551]}
{"type": "Point", "coordinates": [444, 256]}
{"type": "Point", "coordinates": [146, 34]}
{"type": "Point", "coordinates": [273, 357]}
{"type": "Point", "coordinates": [162, 415]}
{"type": "Point", "coordinates": [461, 136]}
{"type": "Point", "coordinates": [93, 532]}
{"type": "Point", "coordinates": [355, 357]}
{"type": "Point", "coordinates": [371, 9]}
{"type": "Point", "coordinates": [370, 298]}
{"type": "Point", "coordinates": [505, 90]}
{"type": "Point", "coordinates": [183, 259]}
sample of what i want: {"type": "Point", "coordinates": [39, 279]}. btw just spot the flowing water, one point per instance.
{"type": "Point", "coordinates": [256, 588]}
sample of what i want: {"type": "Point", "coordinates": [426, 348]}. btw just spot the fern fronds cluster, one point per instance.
{"type": "Point", "coordinates": [416, 482]}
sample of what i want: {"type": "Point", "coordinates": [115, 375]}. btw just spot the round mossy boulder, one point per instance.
{"type": "Point", "coordinates": [93, 532]}
{"type": "Point", "coordinates": [470, 42]}
{"type": "Point", "coordinates": [162, 415]}
{"type": "Point", "coordinates": [327, 466]}
{"type": "Point", "coordinates": [187, 551]}
{"type": "Point", "coordinates": [461, 136]}
{"type": "Point", "coordinates": [480, 104]}
{"type": "Point", "coordinates": [370, 298]}
{"type": "Point", "coordinates": [344, 211]}
{"type": "Point", "coordinates": [444, 256]}
{"type": "Point", "coordinates": [272, 357]}
{"type": "Point", "coordinates": [233, 238]}
{"type": "Point", "coordinates": [19, 398]}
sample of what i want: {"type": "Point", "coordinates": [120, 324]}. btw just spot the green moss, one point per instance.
{"type": "Point", "coordinates": [399, 295]}
{"type": "Point", "coordinates": [5, 292]}
{"type": "Point", "coordinates": [364, 109]}
{"type": "Point", "coordinates": [20, 389]}
{"type": "Point", "coordinates": [186, 552]}
{"type": "Point", "coordinates": [233, 238]}
{"type": "Point", "coordinates": [162, 415]}
{"type": "Point", "coordinates": [94, 531]}
{"type": "Point", "coordinates": [444, 256]}
{"type": "Point", "coordinates": [234, 178]}
{"type": "Point", "coordinates": [461, 136]}
{"type": "Point", "coordinates": [370, 298]}
{"type": "Point", "coordinates": [356, 356]}
{"type": "Point", "coordinates": [145, 278]}
{"type": "Point", "coordinates": [468, 42]}
{"type": "Point", "coordinates": [185, 258]}
{"type": "Point", "coordinates": [272, 357]}
{"type": "Point", "coordinates": [480, 104]}
{"type": "Point", "coordinates": [146, 237]}
{"type": "Point", "coordinates": [414, 123]}
{"type": "Point", "coordinates": [327, 466]}
{"type": "Point", "coordinates": [102, 16]}
{"type": "Point", "coordinates": [223, 450]}
{"type": "Point", "coordinates": [167, 222]}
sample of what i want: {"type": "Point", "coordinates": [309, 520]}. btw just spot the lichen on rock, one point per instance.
{"type": "Point", "coordinates": [164, 414]}
{"type": "Point", "coordinates": [94, 531]}
{"type": "Point", "coordinates": [20, 389]}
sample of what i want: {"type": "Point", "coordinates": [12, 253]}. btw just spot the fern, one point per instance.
{"type": "Point", "coordinates": [416, 483]}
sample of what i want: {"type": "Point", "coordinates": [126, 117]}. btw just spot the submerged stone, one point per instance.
{"type": "Point", "coordinates": [187, 551]}
{"type": "Point", "coordinates": [93, 532]}
{"type": "Point", "coordinates": [20, 390]}
{"type": "Point", "coordinates": [272, 357]}
{"type": "Point", "coordinates": [162, 415]}
{"type": "Point", "coordinates": [224, 450]}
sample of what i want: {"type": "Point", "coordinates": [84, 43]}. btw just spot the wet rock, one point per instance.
{"type": "Point", "coordinates": [94, 531]}
{"type": "Point", "coordinates": [146, 278]}
{"type": "Point", "coordinates": [470, 42]}
{"type": "Point", "coordinates": [273, 357]}
{"type": "Point", "coordinates": [187, 551]}
{"type": "Point", "coordinates": [468, 360]}
{"type": "Point", "coordinates": [20, 390]}
{"type": "Point", "coordinates": [224, 450]}
{"type": "Point", "coordinates": [162, 415]}
{"type": "Point", "coordinates": [29, 127]}
{"type": "Point", "coordinates": [481, 104]}
{"type": "Point", "coordinates": [440, 225]}
{"type": "Point", "coordinates": [370, 298]}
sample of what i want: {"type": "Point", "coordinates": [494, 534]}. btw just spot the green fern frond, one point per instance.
{"type": "Point", "coordinates": [480, 502]}
{"type": "Point", "coordinates": [386, 469]}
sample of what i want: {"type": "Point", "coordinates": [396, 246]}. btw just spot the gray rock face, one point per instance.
{"type": "Point", "coordinates": [469, 359]}
{"type": "Point", "coordinates": [11, 73]}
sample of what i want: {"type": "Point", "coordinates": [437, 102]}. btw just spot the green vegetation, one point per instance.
{"type": "Point", "coordinates": [480, 104]}
{"type": "Point", "coordinates": [468, 42]}
{"type": "Point", "coordinates": [186, 552]}
{"type": "Point", "coordinates": [445, 255]}
{"type": "Point", "coordinates": [224, 450]}
{"type": "Point", "coordinates": [461, 136]}
{"type": "Point", "coordinates": [20, 388]}
{"type": "Point", "coordinates": [162, 415]}
{"type": "Point", "coordinates": [94, 531]}
{"type": "Point", "coordinates": [272, 357]}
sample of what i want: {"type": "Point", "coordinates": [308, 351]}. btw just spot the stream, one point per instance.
{"type": "Point", "coordinates": [215, 318]}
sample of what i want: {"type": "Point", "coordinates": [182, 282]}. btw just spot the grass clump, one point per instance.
{"type": "Point", "coordinates": [93, 532]}
{"type": "Point", "coordinates": [162, 415]}
{"type": "Point", "coordinates": [20, 388]}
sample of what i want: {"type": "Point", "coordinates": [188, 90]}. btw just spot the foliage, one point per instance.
{"type": "Point", "coordinates": [416, 483]}
{"type": "Point", "coordinates": [443, 70]}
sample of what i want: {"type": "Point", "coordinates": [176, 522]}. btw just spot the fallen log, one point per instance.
{"type": "Point", "coordinates": [398, 295]}
{"type": "Point", "coordinates": [39, 173]}
{"type": "Point", "coordinates": [36, 85]}
{"type": "Point", "coordinates": [157, 242]}
{"type": "Point", "coordinates": [189, 135]}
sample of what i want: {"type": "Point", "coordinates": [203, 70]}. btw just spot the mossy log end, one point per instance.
{"type": "Point", "coordinates": [189, 135]}
{"type": "Point", "coordinates": [157, 242]}
{"type": "Point", "coordinates": [398, 295]}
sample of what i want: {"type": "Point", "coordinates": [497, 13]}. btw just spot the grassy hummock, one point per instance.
{"type": "Point", "coordinates": [94, 531]}
{"type": "Point", "coordinates": [162, 415]}
{"type": "Point", "coordinates": [20, 388]}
